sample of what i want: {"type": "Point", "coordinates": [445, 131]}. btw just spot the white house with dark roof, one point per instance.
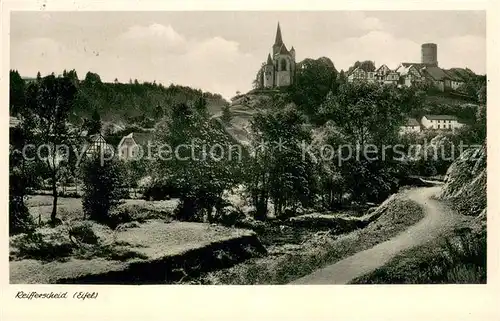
{"type": "Point", "coordinates": [134, 146]}
{"type": "Point", "coordinates": [440, 122]}
{"type": "Point", "coordinates": [411, 125]}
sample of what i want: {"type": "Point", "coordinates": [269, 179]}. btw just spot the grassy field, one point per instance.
{"type": "Point", "coordinates": [70, 209]}
{"type": "Point", "coordinates": [51, 255]}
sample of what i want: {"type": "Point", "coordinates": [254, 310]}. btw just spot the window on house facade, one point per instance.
{"type": "Point", "coordinates": [439, 126]}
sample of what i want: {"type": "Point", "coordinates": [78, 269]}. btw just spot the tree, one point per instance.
{"type": "Point", "coordinates": [278, 171]}
{"type": "Point", "coordinates": [158, 113]}
{"type": "Point", "coordinates": [342, 79]}
{"type": "Point", "coordinates": [313, 81]}
{"type": "Point", "coordinates": [95, 124]}
{"type": "Point", "coordinates": [102, 180]}
{"type": "Point", "coordinates": [23, 178]}
{"type": "Point", "coordinates": [368, 115]}
{"type": "Point", "coordinates": [16, 95]}
{"type": "Point", "coordinates": [198, 174]}
{"type": "Point", "coordinates": [92, 79]}
{"type": "Point", "coordinates": [367, 65]}
{"type": "Point", "coordinates": [49, 103]}
{"type": "Point", "coordinates": [226, 114]}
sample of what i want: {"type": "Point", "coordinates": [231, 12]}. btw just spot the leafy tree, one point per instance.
{"type": "Point", "coordinates": [92, 79]}
{"type": "Point", "coordinates": [278, 170]}
{"type": "Point", "coordinates": [23, 177]}
{"type": "Point", "coordinates": [102, 180]}
{"type": "Point", "coordinates": [199, 174]}
{"type": "Point", "coordinates": [367, 65]}
{"type": "Point", "coordinates": [49, 103]}
{"type": "Point", "coordinates": [368, 114]}
{"type": "Point", "coordinates": [314, 80]}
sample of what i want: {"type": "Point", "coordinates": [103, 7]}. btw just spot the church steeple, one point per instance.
{"type": "Point", "coordinates": [278, 40]}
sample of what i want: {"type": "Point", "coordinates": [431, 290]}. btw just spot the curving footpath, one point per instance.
{"type": "Point", "coordinates": [438, 219]}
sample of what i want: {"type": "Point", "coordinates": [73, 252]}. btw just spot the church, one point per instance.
{"type": "Point", "coordinates": [279, 70]}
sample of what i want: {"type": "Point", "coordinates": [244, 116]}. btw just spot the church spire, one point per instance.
{"type": "Point", "coordinates": [269, 59]}
{"type": "Point", "coordinates": [278, 40]}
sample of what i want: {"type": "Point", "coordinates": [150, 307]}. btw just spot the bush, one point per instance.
{"type": "Point", "coordinates": [43, 245]}
{"type": "Point", "coordinates": [20, 220]}
{"type": "Point", "coordinates": [229, 216]}
{"type": "Point", "coordinates": [119, 216]}
{"type": "Point", "coordinates": [160, 190]}
{"type": "Point", "coordinates": [101, 191]}
{"type": "Point", "coordinates": [83, 233]}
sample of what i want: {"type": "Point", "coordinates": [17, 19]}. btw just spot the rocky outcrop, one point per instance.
{"type": "Point", "coordinates": [465, 182]}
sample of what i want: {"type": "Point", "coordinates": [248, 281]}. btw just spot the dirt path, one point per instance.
{"type": "Point", "coordinates": [438, 219]}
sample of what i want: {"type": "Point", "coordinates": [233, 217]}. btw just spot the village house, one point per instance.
{"type": "Point", "coordinates": [134, 146]}
{"type": "Point", "coordinates": [410, 74]}
{"type": "Point", "coordinates": [455, 78]}
{"type": "Point", "coordinates": [357, 74]}
{"type": "Point", "coordinates": [440, 122]}
{"type": "Point", "coordinates": [410, 126]}
{"type": "Point", "coordinates": [96, 144]}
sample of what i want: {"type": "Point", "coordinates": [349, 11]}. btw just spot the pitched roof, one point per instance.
{"type": "Point", "coordinates": [142, 138]}
{"type": "Point", "coordinates": [384, 65]}
{"type": "Point", "coordinates": [436, 73]}
{"type": "Point", "coordinates": [457, 74]}
{"type": "Point", "coordinates": [348, 73]}
{"type": "Point", "coordinates": [403, 70]}
{"type": "Point", "coordinates": [453, 75]}
{"type": "Point", "coordinates": [411, 122]}
{"type": "Point", "coordinates": [269, 59]}
{"type": "Point", "coordinates": [418, 65]}
{"type": "Point", "coordinates": [440, 117]}
{"type": "Point", "coordinates": [463, 73]}
{"type": "Point", "coordinates": [283, 50]}
{"type": "Point", "coordinates": [293, 49]}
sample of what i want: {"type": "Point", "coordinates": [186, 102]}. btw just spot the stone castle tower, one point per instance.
{"type": "Point", "coordinates": [279, 69]}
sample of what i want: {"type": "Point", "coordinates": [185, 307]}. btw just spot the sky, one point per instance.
{"type": "Point", "coordinates": [221, 52]}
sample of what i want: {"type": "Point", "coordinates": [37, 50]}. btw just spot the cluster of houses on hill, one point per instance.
{"type": "Point", "coordinates": [431, 122]}
{"type": "Point", "coordinates": [412, 73]}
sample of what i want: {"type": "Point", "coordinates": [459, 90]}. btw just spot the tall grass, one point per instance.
{"type": "Point", "coordinates": [456, 259]}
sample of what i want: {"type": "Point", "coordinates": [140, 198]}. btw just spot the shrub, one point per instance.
{"type": "Point", "coordinates": [102, 180]}
{"type": "Point", "coordinates": [20, 220]}
{"type": "Point", "coordinates": [119, 216]}
{"type": "Point", "coordinates": [83, 233]}
{"type": "Point", "coordinates": [43, 245]}
{"type": "Point", "coordinates": [229, 216]}
{"type": "Point", "coordinates": [160, 190]}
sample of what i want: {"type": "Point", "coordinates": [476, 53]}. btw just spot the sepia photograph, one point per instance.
{"type": "Point", "coordinates": [247, 147]}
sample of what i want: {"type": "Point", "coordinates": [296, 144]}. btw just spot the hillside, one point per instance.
{"type": "Point", "coordinates": [465, 183]}
{"type": "Point", "coordinates": [243, 107]}
{"type": "Point", "coordinates": [136, 102]}
{"type": "Point", "coordinates": [119, 104]}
